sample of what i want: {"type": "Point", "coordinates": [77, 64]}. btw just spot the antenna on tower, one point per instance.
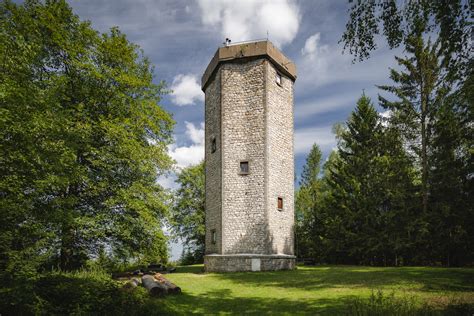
{"type": "Point", "coordinates": [267, 35]}
{"type": "Point", "coordinates": [227, 41]}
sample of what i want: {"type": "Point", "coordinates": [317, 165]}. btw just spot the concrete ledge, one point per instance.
{"type": "Point", "coordinates": [249, 50]}
{"type": "Point", "coordinates": [248, 262]}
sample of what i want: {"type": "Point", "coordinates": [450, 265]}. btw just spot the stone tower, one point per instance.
{"type": "Point", "coordinates": [249, 159]}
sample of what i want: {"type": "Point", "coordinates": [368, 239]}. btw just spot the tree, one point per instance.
{"type": "Point", "coordinates": [451, 180]}
{"type": "Point", "coordinates": [421, 87]}
{"type": "Point", "coordinates": [83, 139]}
{"type": "Point", "coordinates": [398, 21]}
{"type": "Point", "coordinates": [307, 219]}
{"type": "Point", "coordinates": [312, 168]}
{"type": "Point", "coordinates": [369, 187]}
{"type": "Point", "coordinates": [430, 109]}
{"type": "Point", "coordinates": [433, 110]}
{"type": "Point", "coordinates": [188, 214]}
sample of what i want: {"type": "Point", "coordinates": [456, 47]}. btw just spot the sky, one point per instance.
{"type": "Point", "coordinates": [180, 38]}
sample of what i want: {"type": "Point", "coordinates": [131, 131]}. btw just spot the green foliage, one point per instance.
{"type": "Point", "coordinates": [188, 213]}
{"type": "Point", "coordinates": [369, 187]}
{"type": "Point", "coordinates": [399, 190]}
{"type": "Point", "coordinates": [421, 87]}
{"type": "Point", "coordinates": [83, 292]}
{"type": "Point", "coordinates": [380, 303]}
{"type": "Point", "coordinates": [312, 168]}
{"type": "Point", "coordinates": [397, 21]}
{"type": "Point", "coordinates": [450, 181]}
{"type": "Point", "coordinates": [83, 139]}
{"type": "Point", "coordinates": [307, 208]}
{"type": "Point", "coordinates": [436, 121]}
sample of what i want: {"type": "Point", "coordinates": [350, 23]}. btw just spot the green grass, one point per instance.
{"type": "Point", "coordinates": [316, 290]}
{"type": "Point", "coordinates": [322, 290]}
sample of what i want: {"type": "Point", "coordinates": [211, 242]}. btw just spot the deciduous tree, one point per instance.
{"type": "Point", "coordinates": [83, 139]}
{"type": "Point", "coordinates": [188, 215]}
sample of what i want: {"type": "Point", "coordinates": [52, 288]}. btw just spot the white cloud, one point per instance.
{"type": "Point", "coordinates": [252, 19]}
{"type": "Point", "coordinates": [196, 134]}
{"type": "Point", "coordinates": [306, 137]}
{"type": "Point", "coordinates": [313, 49]}
{"type": "Point", "coordinates": [322, 64]}
{"type": "Point", "coordinates": [193, 154]}
{"type": "Point", "coordinates": [186, 90]}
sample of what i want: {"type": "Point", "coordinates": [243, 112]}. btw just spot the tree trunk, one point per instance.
{"type": "Point", "coordinates": [171, 287]}
{"type": "Point", "coordinates": [133, 283]}
{"type": "Point", "coordinates": [424, 162]}
{"type": "Point", "coordinates": [154, 288]}
{"type": "Point", "coordinates": [66, 251]}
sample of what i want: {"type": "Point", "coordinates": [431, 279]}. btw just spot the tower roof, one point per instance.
{"type": "Point", "coordinates": [236, 51]}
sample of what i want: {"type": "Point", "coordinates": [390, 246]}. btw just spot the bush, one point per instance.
{"type": "Point", "coordinates": [74, 293]}
{"type": "Point", "coordinates": [382, 304]}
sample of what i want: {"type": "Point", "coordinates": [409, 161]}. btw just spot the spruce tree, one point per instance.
{"type": "Point", "coordinates": [368, 185]}
{"type": "Point", "coordinates": [421, 88]}
{"type": "Point", "coordinates": [308, 219]}
{"type": "Point", "coordinates": [451, 178]}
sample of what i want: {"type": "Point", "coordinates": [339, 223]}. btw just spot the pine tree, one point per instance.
{"type": "Point", "coordinates": [429, 115]}
{"type": "Point", "coordinates": [308, 221]}
{"type": "Point", "coordinates": [368, 185]}
{"type": "Point", "coordinates": [421, 88]}
{"type": "Point", "coordinates": [451, 180]}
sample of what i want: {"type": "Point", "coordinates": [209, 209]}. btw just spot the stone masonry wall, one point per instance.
{"type": "Point", "coordinates": [233, 263]}
{"type": "Point", "coordinates": [244, 223]}
{"type": "Point", "coordinates": [213, 165]}
{"type": "Point", "coordinates": [280, 161]}
{"type": "Point", "coordinates": [251, 117]}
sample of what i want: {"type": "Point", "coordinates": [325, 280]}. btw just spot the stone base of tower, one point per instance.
{"type": "Point", "coordinates": [248, 262]}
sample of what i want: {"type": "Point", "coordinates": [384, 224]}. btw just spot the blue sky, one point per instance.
{"type": "Point", "coordinates": [180, 38]}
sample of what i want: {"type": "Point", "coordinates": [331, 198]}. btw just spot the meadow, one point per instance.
{"type": "Point", "coordinates": [324, 290]}
{"type": "Point", "coordinates": [308, 290]}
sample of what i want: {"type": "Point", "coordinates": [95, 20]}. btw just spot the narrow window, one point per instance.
{"type": "Point", "coordinates": [213, 237]}
{"type": "Point", "coordinates": [280, 204]}
{"type": "Point", "coordinates": [213, 145]}
{"type": "Point", "coordinates": [278, 79]}
{"type": "Point", "coordinates": [244, 167]}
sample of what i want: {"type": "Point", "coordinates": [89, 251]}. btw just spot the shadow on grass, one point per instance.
{"type": "Point", "coordinates": [313, 278]}
{"type": "Point", "coordinates": [224, 302]}
{"type": "Point", "coordinates": [430, 278]}
{"type": "Point", "coordinates": [233, 293]}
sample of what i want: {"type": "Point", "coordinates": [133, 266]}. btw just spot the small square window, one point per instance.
{"type": "Point", "coordinates": [244, 167]}
{"type": "Point", "coordinates": [213, 145]}
{"type": "Point", "coordinates": [278, 79]}
{"type": "Point", "coordinates": [280, 204]}
{"type": "Point", "coordinates": [213, 237]}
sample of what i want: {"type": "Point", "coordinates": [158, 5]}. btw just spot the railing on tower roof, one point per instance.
{"type": "Point", "coordinates": [244, 42]}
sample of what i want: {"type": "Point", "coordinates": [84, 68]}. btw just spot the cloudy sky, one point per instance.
{"type": "Point", "coordinates": [180, 37]}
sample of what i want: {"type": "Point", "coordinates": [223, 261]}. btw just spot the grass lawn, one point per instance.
{"type": "Point", "coordinates": [312, 290]}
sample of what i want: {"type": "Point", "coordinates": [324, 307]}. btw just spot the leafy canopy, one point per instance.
{"type": "Point", "coordinates": [83, 139]}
